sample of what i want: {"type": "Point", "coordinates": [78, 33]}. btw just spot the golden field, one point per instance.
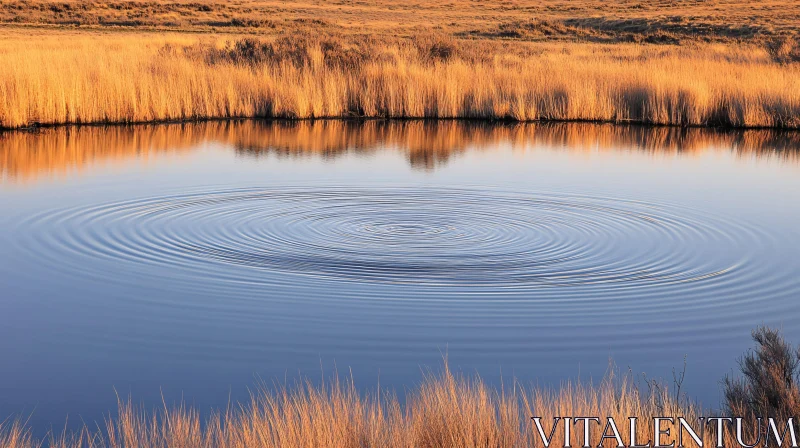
{"type": "Point", "coordinates": [681, 63]}
{"type": "Point", "coordinates": [587, 20]}
{"type": "Point", "coordinates": [124, 78]}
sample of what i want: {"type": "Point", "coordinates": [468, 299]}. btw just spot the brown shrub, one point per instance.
{"type": "Point", "coordinates": [338, 53]}
{"type": "Point", "coordinates": [295, 50]}
{"type": "Point", "coordinates": [784, 49]}
{"type": "Point", "coordinates": [436, 47]}
{"type": "Point", "coordinates": [251, 51]}
{"type": "Point", "coordinates": [769, 385]}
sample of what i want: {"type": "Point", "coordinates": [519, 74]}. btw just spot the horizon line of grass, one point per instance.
{"type": "Point", "coordinates": [358, 118]}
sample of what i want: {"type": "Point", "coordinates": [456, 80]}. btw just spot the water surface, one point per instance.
{"type": "Point", "coordinates": [192, 260]}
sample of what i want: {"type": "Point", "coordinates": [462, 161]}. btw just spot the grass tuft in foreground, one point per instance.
{"type": "Point", "coordinates": [446, 410]}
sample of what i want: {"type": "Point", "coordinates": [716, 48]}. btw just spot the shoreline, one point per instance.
{"type": "Point", "coordinates": [356, 119]}
{"type": "Point", "coordinates": [28, 154]}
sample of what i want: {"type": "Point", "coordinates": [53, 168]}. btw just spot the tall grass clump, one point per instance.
{"type": "Point", "coordinates": [446, 410]}
{"type": "Point", "coordinates": [125, 78]}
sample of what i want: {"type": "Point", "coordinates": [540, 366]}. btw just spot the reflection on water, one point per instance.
{"type": "Point", "coordinates": [263, 248]}
{"type": "Point", "coordinates": [28, 155]}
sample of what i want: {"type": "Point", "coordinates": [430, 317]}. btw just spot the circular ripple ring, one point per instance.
{"type": "Point", "coordinates": [432, 237]}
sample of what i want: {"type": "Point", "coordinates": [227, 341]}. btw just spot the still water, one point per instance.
{"type": "Point", "coordinates": [196, 260]}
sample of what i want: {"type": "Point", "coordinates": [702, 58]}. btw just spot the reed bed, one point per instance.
{"type": "Point", "coordinates": [127, 77]}
{"type": "Point", "coordinates": [445, 410]}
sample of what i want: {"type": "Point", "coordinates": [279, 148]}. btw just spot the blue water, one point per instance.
{"type": "Point", "coordinates": [195, 260]}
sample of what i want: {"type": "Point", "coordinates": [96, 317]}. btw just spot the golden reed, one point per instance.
{"type": "Point", "coordinates": [80, 77]}
{"type": "Point", "coordinates": [446, 410]}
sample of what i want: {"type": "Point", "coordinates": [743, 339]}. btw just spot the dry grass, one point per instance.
{"type": "Point", "coordinates": [28, 156]}
{"type": "Point", "coordinates": [594, 20]}
{"type": "Point", "coordinates": [446, 410]}
{"type": "Point", "coordinates": [676, 62]}
{"type": "Point", "coordinates": [68, 77]}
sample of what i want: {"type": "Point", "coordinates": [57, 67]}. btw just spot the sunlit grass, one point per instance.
{"type": "Point", "coordinates": [445, 410]}
{"type": "Point", "coordinates": [98, 78]}
{"type": "Point", "coordinates": [595, 20]}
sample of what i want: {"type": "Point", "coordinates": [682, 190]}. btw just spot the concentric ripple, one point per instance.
{"type": "Point", "coordinates": [437, 237]}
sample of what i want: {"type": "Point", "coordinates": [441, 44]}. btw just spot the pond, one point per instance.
{"type": "Point", "coordinates": [193, 261]}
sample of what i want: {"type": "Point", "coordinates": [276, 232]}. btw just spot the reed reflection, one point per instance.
{"type": "Point", "coordinates": [33, 155]}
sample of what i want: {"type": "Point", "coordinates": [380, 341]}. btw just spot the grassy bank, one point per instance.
{"type": "Point", "coordinates": [688, 63]}
{"type": "Point", "coordinates": [77, 77]}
